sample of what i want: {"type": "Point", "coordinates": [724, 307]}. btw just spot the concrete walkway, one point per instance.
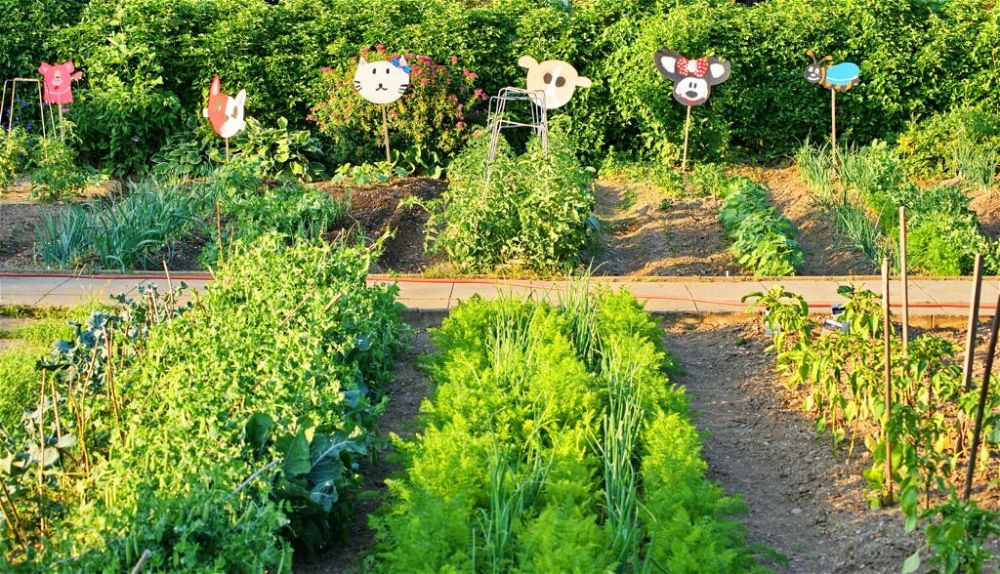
{"type": "Point", "coordinates": [928, 297]}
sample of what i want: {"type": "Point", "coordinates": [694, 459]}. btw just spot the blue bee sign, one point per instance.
{"type": "Point", "coordinates": [837, 77]}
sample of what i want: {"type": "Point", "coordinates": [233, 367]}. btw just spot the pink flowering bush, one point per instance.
{"type": "Point", "coordinates": [432, 120]}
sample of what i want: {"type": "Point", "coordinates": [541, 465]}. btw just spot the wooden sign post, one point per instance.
{"type": "Point", "coordinates": [693, 80]}
{"type": "Point", "coordinates": [836, 78]}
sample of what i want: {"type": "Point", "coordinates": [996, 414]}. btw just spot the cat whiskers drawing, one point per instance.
{"type": "Point", "coordinates": [382, 82]}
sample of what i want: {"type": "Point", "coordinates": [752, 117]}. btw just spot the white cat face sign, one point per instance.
{"type": "Point", "coordinates": [556, 79]}
{"type": "Point", "coordinates": [382, 82]}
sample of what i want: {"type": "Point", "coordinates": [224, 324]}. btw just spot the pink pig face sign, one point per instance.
{"type": "Point", "coordinates": [58, 82]}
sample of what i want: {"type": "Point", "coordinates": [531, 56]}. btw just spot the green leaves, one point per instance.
{"type": "Point", "coordinates": [762, 239]}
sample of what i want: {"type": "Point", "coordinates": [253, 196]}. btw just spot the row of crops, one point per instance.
{"type": "Point", "coordinates": [208, 436]}
{"type": "Point", "coordinates": [555, 442]}
{"type": "Point", "coordinates": [927, 433]}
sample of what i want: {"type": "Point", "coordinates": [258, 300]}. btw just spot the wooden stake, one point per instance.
{"type": "Point", "coordinates": [218, 229]}
{"type": "Point", "coordinates": [903, 278]}
{"type": "Point", "coordinates": [970, 338]}
{"type": "Point", "coordinates": [62, 130]}
{"type": "Point", "coordinates": [227, 149]}
{"type": "Point", "coordinates": [385, 134]}
{"type": "Point", "coordinates": [833, 124]}
{"type": "Point", "coordinates": [983, 393]}
{"type": "Point", "coordinates": [887, 416]}
{"type": "Point", "coordinates": [687, 131]}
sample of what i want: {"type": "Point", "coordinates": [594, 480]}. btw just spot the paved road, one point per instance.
{"type": "Point", "coordinates": [937, 297]}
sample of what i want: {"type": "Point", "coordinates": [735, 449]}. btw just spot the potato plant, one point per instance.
{"type": "Point", "coordinates": [763, 241]}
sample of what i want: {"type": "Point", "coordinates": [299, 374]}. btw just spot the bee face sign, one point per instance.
{"type": "Point", "coordinates": [837, 77]}
{"type": "Point", "coordinates": [693, 79]}
{"type": "Point", "coordinates": [382, 82]}
{"type": "Point", "coordinates": [555, 79]}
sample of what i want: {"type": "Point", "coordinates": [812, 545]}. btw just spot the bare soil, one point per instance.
{"type": "Point", "coordinates": [375, 210]}
{"type": "Point", "coordinates": [805, 501]}
{"type": "Point", "coordinates": [406, 392]}
{"type": "Point", "coordinates": [647, 233]}
{"type": "Point", "coordinates": [986, 204]}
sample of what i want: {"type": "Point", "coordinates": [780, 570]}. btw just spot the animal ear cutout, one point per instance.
{"type": "Point", "coordinates": [583, 82]}
{"type": "Point", "coordinates": [402, 62]}
{"type": "Point", "coordinates": [718, 71]}
{"type": "Point", "coordinates": [241, 98]}
{"type": "Point", "coordinates": [666, 63]}
{"type": "Point", "coordinates": [362, 61]}
{"type": "Point", "coordinates": [527, 62]}
{"type": "Point", "coordinates": [216, 88]}
{"type": "Point", "coordinates": [45, 67]}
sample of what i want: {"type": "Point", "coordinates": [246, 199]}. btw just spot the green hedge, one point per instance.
{"type": "Point", "coordinates": [147, 63]}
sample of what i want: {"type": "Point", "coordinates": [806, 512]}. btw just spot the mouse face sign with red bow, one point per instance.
{"type": "Point", "coordinates": [693, 78]}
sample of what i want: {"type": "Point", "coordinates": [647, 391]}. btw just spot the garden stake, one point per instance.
{"type": "Point", "coordinates": [687, 130]}
{"type": "Point", "coordinates": [10, 514]}
{"type": "Point", "coordinates": [983, 392]}
{"type": "Point", "coordinates": [146, 554]}
{"type": "Point", "coordinates": [833, 125]}
{"type": "Point", "coordinates": [970, 338]}
{"type": "Point", "coordinates": [218, 229]}
{"type": "Point", "coordinates": [904, 279]}
{"type": "Point", "coordinates": [886, 333]}
{"type": "Point", "coordinates": [385, 136]}
{"type": "Point", "coordinates": [970, 343]}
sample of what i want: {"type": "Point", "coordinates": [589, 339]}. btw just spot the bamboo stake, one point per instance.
{"type": "Point", "coordinates": [687, 132]}
{"type": "Point", "coordinates": [10, 514]}
{"type": "Point", "coordinates": [385, 134]}
{"type": "Point", "coordinates": [983, 392]}
{"type": "Point", "coordinates": [904, 279]}
{"type": "Point", "coordinates": [970, 338]}
{"type": "Point", "coordinates": [833, 125]}
{"type": "Point", "coordinates": [218, 229]}
{"type": "Point", "coordinates": [887, 416]}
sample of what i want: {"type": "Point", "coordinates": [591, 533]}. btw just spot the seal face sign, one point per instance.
{"type": "Point", "coordinates": [555, 79]}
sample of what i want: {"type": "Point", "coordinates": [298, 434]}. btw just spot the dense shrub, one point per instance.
{"type": "Point", "coordinates": [526, 211]}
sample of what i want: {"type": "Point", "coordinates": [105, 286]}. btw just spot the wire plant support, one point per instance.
{"type": "Point", "coordinates": [8, 103]}
{"type": "Point", "coordinates": [498, 118]}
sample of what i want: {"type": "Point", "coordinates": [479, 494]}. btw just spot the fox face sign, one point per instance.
{"type": "Point", "coordinates": [58, 80]}
{"type": "Point", "coordinates": [693, 78]}
{"type": "Point", "coordinates": [224, 112]}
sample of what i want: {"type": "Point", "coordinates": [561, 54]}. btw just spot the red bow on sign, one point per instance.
{"type": "Point", "coordinates": [687, 67]}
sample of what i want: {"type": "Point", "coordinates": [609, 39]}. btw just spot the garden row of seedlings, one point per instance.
{"type": "Point", "coordinates": [762, 239]}
{"type": "Point", "coordinates": [204, 437]}
{"type": "Point", "coordinates": [910, 404]}
{"type": "Point", "coordinates": [555, 442]}
{"type": "Point", "coordinates": [863, 195]}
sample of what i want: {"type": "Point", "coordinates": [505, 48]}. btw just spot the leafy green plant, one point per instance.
{"type": "Point", "coordinates": [555, 443]}
{"type": "Point", "coordinates": [56, 173]}
{"type": "Point", "coordinates": [861, 233]}
{"type": "Point", "coordinates": [621, 167]}
{"type": "Point", "coordinates": [815, 167]}
{"type": "Point", "coordinates": [957, 540]}
{"type": "Point", "coordinates": [214, 433]}
{"type": "Point", "coordinates": [521, 211]}
{"type": "Point", "coordinates": [13, 155]}
{"type": "Point", "coordinates": [762, 240]}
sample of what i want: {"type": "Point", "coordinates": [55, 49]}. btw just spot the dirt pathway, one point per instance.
{"type": "Point", "coordinates": [407, 391]}
{"type": "Point", "coordinates": [647, 233]}
{"type": "Point", "coordinates": [818, 235]}
{"type": "Point", "coordinates": [804, 501]}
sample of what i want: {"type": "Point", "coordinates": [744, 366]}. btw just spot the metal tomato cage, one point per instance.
{"type": "Point", "coordinates": [500, 118]}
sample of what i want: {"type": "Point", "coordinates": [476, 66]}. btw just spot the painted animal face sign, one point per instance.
{"type": "Point", "coordinates": [58, 82]}
{"type": "Point", "coordinates": [557, 80]}
{"type": "Point", "coordinates": [382, 82]}
{"type": "Point", "coordinates": [838, 77]}
{"type": "Point", "coordinates": [225, 113]}
{"type": "Point", "coordinates": [693, 79]}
